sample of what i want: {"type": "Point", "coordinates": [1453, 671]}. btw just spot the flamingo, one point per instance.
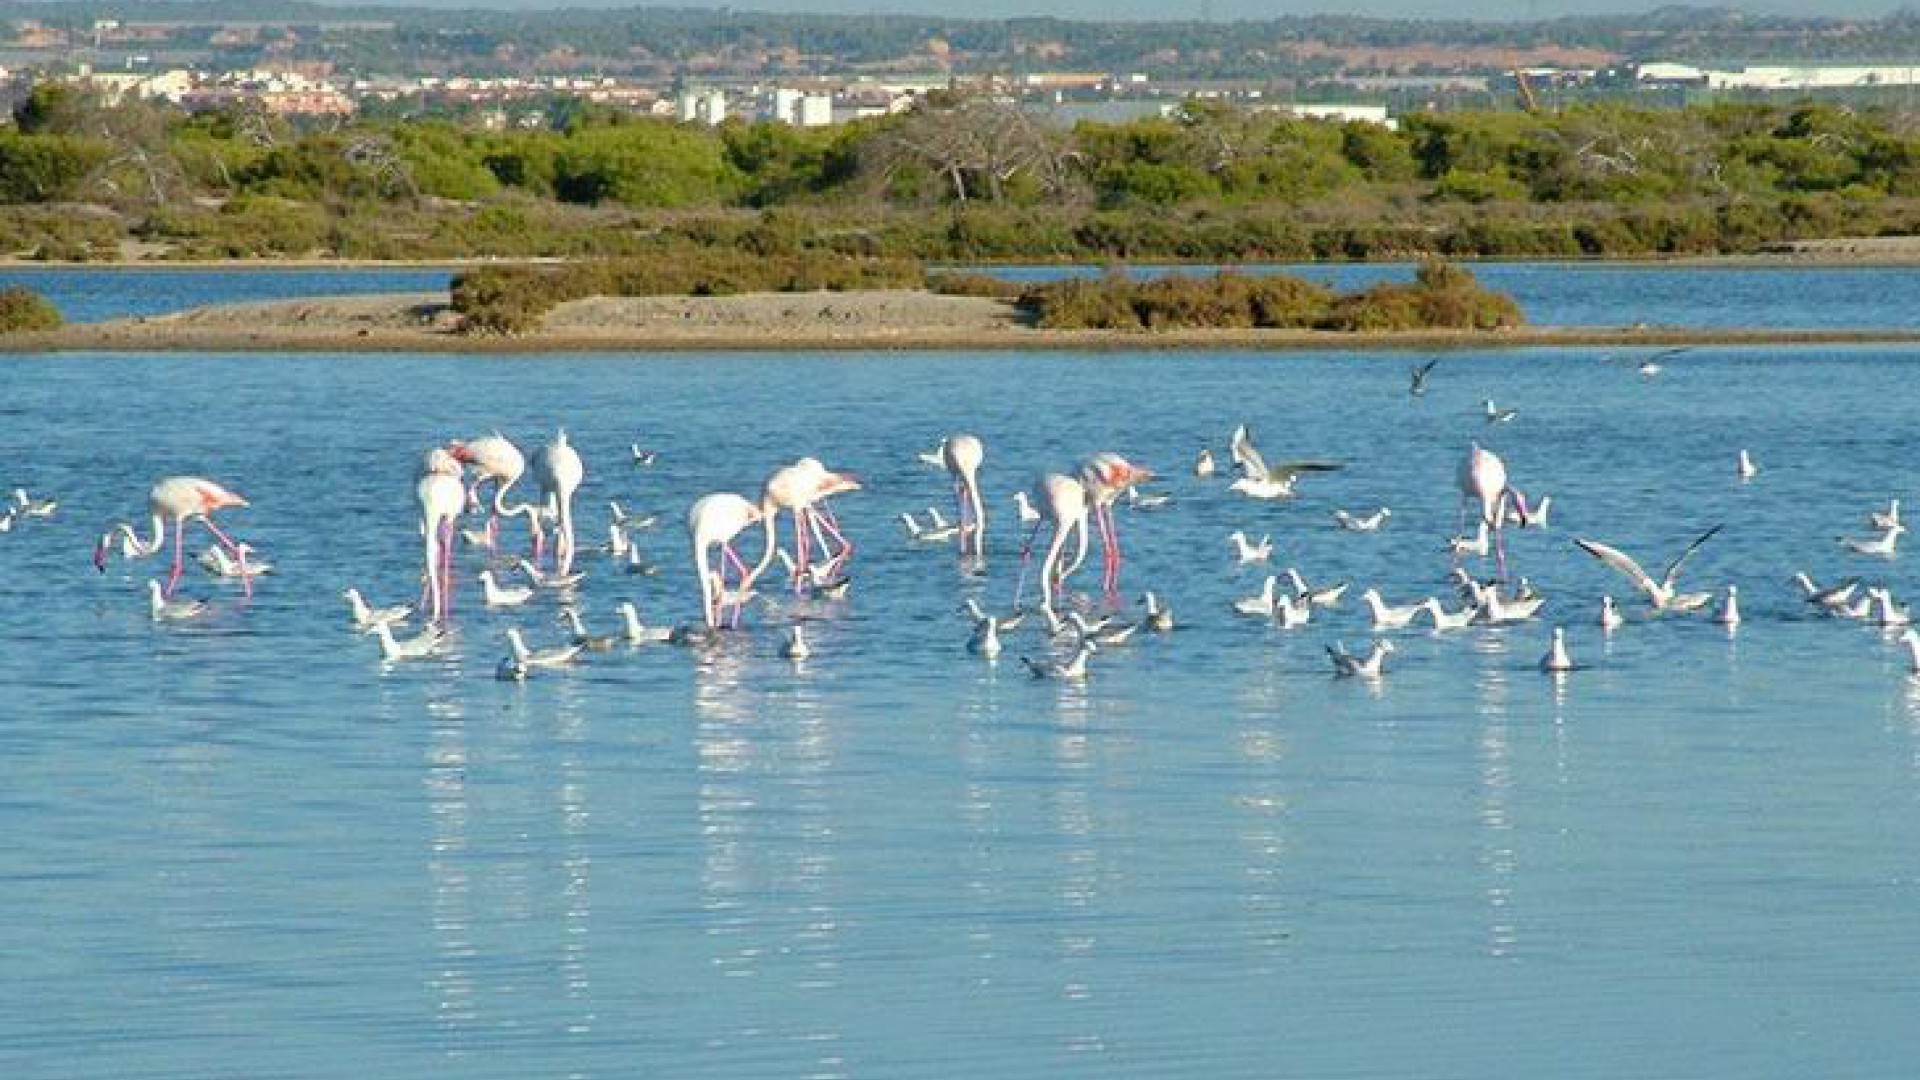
{"type": "Point", "coordinates": [962, 454]}
{"type": "Point", "coordinates": [442, 496]}
{"type": "Point", "coordinates": [799, 488]}
{"type": "Point", "coordinates": [494, 458]}
{"type": "Point", "coordinates": [1105, 476]}
{"type": "Point", "coordinates": [179, 499]}
{"type": "Point", "coordinates": [1063, 500]}
{"type": "Point", "coordinates": [1483, 478]}
{"type": "Point", "coordinates": [714, 521]}
{"type": "Point", "coordinates": [558, 469]}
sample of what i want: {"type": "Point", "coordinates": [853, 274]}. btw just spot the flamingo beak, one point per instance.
{"type": "Point", "coordinates": [1141, 475]}
{"type": "Point", "coordinates": [844, 482]}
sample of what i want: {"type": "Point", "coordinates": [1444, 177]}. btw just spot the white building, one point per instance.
{"type": "Point", "coordinates": [786, 106]}
{"type": "Point", "coordinates": [816, 110]}
{"type": "Point", "coordinates": [1812, 78]}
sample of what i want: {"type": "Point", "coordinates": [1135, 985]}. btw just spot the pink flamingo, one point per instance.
{"type": "Point", "coordinates": [442, 496]}
{"type": "Point", "coordinates": [714, 521]}
{"type": "Point", "coordinates": [1483, 479]}
{"type": "Point", "coordinates": [802, 488]}
{"type": "Point", "coordinates": [494, 458]}
{"type": "Point", "coordinates": [1063, 502]}
{"type": "Point", "coordinates": [1106, 477]}
{"type": "Point", "coordinates": [179, 499]}
{"type": "Point", "coordinates": [559, 470]}
{"type": "Point", "coordinates": [962, 455]}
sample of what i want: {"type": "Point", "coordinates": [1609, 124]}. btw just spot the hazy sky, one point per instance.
{"type": "Point", "coordinates": [1224, 9]}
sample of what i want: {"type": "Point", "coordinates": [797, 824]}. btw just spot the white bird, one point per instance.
{"type": "Point", "coordinates": [1260, 605]}
{"type": "Point", "coordinates": [1259, 480]}
{"type": "Point", "coordinates": [1536, 516]}
{"type": "Point", "coordinates": [1882, 545]}
{"type": "Point", "coordinates": [29, 507]}
{"type": "Point", "coordinates": [1460, 547]}
{"type": "Point", "coordinates": [1830, 598]}
{"type": "Point", "coordinates": [423, 644]}
{"type": "Point", "coordinates": [638, 564]}
{"type": "Point", "coordinates": [1203, 465]}
{"type": "Point", "coordinates": [1610, 617]}
{"type": "Point", "coordinates": [936, 457]}
{"type": "Point", "coordinates": [1498, 610]}
{"type": "Point", "coordinates": [642, 458]}
{"type": "Point", "coordinates": [1159, 617]}
{"type": "Point", "coordinates": [577, 631]}
{"type": "Point", "coordinates": [1074, 668]}
{"type": "Point", "coordinates": [165, 610]}
{"type": "Point", "coordinates": [1745, 466]}
{"type": "Point", "coordinates": [631, 521]}
{"type": "Point", "coordinates": [496, 595]}
{"type": "Point", "coordinates": [366, 617]}
{"type": "Point", "coordinates": [1106, 632]}
{"type": "Point", "coordinates": [1028, 515]}
{"type": "Point", "coordinates": [1327, 596]}
{"type": "Point", "coordinates": [217, 562]}
{"type": "Point", "coordinates": [1354, 523]}
{"type": "Point", "coordinates": [556, 580]}
{"type": "Point", "coordinates": [1912, 641]}
{"type": "Point", "coordinates": [1884, 611]}
{"type": "Point", "coordinates": [554, 656]}
{"type": "Point", "coordinates": [1729, 613]}
{"type": "Point", "coordinates": [638, 633]}
{"type": "Point", "coordinates": [795, 646]}
{"type": "Point", "coordinates": [1389, 617]}
{"type": "Point", "coordinates": [1498, 415]}
{"type": "Point", "coordinates": [1448, 620]}
{"type": "Point", "coordinates": [1004, 622]}
{"type": "Point", "coordinates": [1886, 519]}
{"type": "Point", "coordinates": [1557, 661]}
{"type": "Point", "coordinates": [928, 534]}
{"type": "Point", "coordinates": [1248, 552]}
{"type": "Point", "coordinates": [7, 519]}
{"type": "Point", "coordinates": [1370, 666]}
{"type": "Point", "coordinates": [1858, 609]}
{"type": "Point", "coordinates": [617, 543]}
{"type": "Point", "coordinates": [985, 640]}
{"type": "Point", "coordinates": [1148, 500]}
{"type": "Point", "coordinates": [1660, 593]}
{"type": "Point", "coordinates": [1292, 612]}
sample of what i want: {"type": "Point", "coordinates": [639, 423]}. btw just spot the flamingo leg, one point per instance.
{"type": "Point", "coordinates": [446, 569]}
{"type": "Point", "coordinates": [825, 519]}
{"type": "Point", "coordinates": [965, 515]}
{"type": "Point", "coordinates": [732, 558]}
{"type": "Point", "coordinates": [1109, 550]}
{"type": "Point", "coordinates": [179, 540]}
{"type": "Point", "coordinates": [1026, 562]}
{"type": "Point", "coordinates": [801, 550]}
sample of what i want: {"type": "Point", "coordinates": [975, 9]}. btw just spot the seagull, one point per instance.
{"type": "Point", "coordinates": [7, 519]}
{"type": "Point", "coordinates": [1004, 622]}
{"type": "Point", "coordinates": [1325, 597]}
{"type": "Point", "coordinates": [1460, 547]}
{"type": "Point", "coordinates": [617, 543]}
{"type": "Point", "coordinates": [1028, 515]}
{"type": "Point", "coordinates": [936, 457]}
{"type": "Point", "coordinates": [795, 646]}
{"type": "Point", "coordinates": [1497, 415]}
{"type": "Point", "coordinates": [580, 637]}
{"type": "Point", "coordinates": [1886, 519]}
{"type": "Point", "coordinates": [1203, 465]}
{"type": "Point", "coordinates": [1660, 593]}
{"type": "Point", "coordinates": [1370, 523]}
{"type": "Point", "coordinates": [636, 632]}
{"type": "Point", "coordinates": [1159, 617]}
{"type": "Point", "coordinates": [985, 640]}
{"type": "Point", "coordinates": [1151, 500]}
{"type": "Point", "coordinates": [423, 644]}
{"type": "Point", "coordinates": [1557, 662]}
{"type": "Point", "coordinates": [1260, 606]}
{"type": "Point", "coordinates": [1074, 668]}
{"type": "Point", "coordinates": [1258, 480]}
{"type": "Point", "coordinates": [1745, 467]}
{"type": "Point", "coordinates": [1105, 633]}
{"type": "Point", "coordinates": [1497, 610]}
{"type": "Point", "coordinates": [642, 458]}
{"type": "Point", "coordinates": [928, 534]}
{"type": "Point", "coordinates": [1912, 641]}
{"type": "Point", "coordinates": [1448, 620]}
{"type": "Point", "coordinates": [556, 656]}
{"type": "Point", "coordinates": [1536, 517]}
{"type": "Point", "coordinates": [1292, 612]}
{"type": "Point", "coordinates": [637, 563]}
{"type": "Point", "coordinates": [1729, 613]}
{"type": "Point", "coordinates": [30, 507]}
{"type": "Point", "coordinates": [1882, 545]}
{"type": "Point", "coordinates": [1417, 384]}
{"type": "Point", "coordinates": [1650, 366]}
{"type": "Point", "coordinates": [1386, 617]}
{"type": "Point", "coordinates": [217, 562]}
{"type": "Point", "coordinates": [1884, 611]}
{"type": "Point", "coordinates": [543, 580]}
{"type": "Point", "coordinates": [631, 521]}
{"type": "Point", "coordinates": [1370, 666]}
{"type": "Point", "coordinates": [1831, 598]}
{"type": "Point", "coordinates": [496, 595]}
{"type": "Point", "coordinates": [365, 618]}
{"type": "Point", "coordinates": [1246, 552]}
{"type": "Point", "coordinates": [165, 610]}
{"type": "Point", "coordinates": [1610, 617]}
{"type": "Point", "coordinates": [1859, 609]}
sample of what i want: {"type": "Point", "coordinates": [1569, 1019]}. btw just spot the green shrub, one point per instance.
{"type": "Point", "coordinates": [23, 309]}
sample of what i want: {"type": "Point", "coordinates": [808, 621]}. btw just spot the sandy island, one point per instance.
{"type": "Point", "coordinates": [424, 322]}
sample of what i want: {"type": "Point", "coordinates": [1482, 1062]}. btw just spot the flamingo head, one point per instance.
{"type": "Point", "coordinates": [837, 483]}
{"type": "Point", "coordinates": [460, 451]}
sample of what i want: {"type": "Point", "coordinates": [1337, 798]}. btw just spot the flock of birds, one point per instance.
{"type": "Point", "coordinates": [464, 487]}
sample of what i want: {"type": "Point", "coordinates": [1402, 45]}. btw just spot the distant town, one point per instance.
{"type": "Point", "coordinates": [497, 70]}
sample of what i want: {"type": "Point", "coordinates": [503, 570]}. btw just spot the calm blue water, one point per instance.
{"type": "Point", "coordinates": [246, 848]}
{"type": "Point", "coordinates": [1551, 294]}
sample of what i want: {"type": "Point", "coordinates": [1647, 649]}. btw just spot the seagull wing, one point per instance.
{"type": "Point", "coordinates": [1673, 568]}
{"type": "Point", "coordinates": [1620, 561]}
{"type": "Point", "coordinates": [1252, 465]}
{"type": "Point", "coordinates": [1666, 353]}
{"type": "Point", "coordinates": [1287, 470]}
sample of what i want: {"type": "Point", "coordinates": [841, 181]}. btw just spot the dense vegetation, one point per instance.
{"type": "Point", "coordinates": [23, 309]}
{"type": "Point", "coordinates": [515, 299]}
{"type": "Point", "coordinates": [960, 179]}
